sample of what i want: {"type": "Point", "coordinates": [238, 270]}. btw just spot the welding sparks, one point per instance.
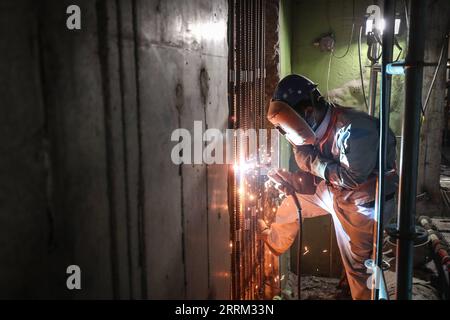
{"type": "Point", "coordinates": [244, 167]}
{"type": "Point", "coordinates": [306, 251]}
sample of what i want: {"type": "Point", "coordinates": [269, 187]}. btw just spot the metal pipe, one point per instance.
{"type": "Point", "coordinates": [410, 151]}
{"type": "Point", "coordinates": [385, 101]}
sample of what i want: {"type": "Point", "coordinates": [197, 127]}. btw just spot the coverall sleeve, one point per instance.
{"type": "Point", "coordinates": [358, 155]}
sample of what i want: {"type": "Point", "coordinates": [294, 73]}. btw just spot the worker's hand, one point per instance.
{"type": "Point", "coordinates": [310, 160]}
{"type": "Point", "coordinates": [300, 182]}
{"type": "Point", "coordinates": [263, 230]}
{"type": "Point", "coordinates": [280, 179]}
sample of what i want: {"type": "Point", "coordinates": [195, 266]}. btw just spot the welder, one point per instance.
{"type": "Point", "coordinates": [336, 152]}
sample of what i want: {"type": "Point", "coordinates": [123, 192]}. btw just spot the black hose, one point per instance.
{"type": "Point", "coordinates": [300, 243]}
{"type": "Point", "coordinates": [291, 191]}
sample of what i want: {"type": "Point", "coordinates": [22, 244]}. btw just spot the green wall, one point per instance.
{"type": "Point", "coordinates": [311, 19]}
{"type": "Point", "coordinates": [285, 35]}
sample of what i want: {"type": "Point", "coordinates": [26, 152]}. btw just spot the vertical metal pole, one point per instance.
{"type": "Point", "coordinates": [373, 82]}
{"type": "Point", "coordinates": [410, 151]}
{"type": "Point", "coordinates": [385, 101]}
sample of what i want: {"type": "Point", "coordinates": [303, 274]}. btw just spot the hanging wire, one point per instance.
{"type": "Point", "coordinates": [399, 48]}
{"type": "Point", "coordinates": [351, 36]}
{"type": "Point", "coordinates": [406, 14]}
{"type": "Point", "coordinates": [328, 75]}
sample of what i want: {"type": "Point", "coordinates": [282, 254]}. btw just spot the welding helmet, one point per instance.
{"type": "Point", "coordinates": [295, 90]}
{"type": "Point", "coordinates": [289, 123]}
{"type": "Point", "coordinates": [284, 110]}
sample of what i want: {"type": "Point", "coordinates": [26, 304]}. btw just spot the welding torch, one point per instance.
{"type": "Point", "coordinates": [289, 190]}
{"type": "Point", "coordinates": [297, 131]}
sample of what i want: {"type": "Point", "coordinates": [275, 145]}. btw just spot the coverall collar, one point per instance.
{"type": "Point", "coordinates": [322, 128]}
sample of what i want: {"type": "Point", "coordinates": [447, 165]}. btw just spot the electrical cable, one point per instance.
{"type": "Point", "coordinates": [328, 75]}
{"type": "Point", "coordinates": [348, 46]}
{"type": "Point", "coordinates": [361, 69]}
{"type": "Point", "coordinates": [300, 242]}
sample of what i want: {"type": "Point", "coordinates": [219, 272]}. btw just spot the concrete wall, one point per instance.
{"type": "Point", "coordinates": [85, 171]}
{"type": "Point", "coordinates": [25, 218]}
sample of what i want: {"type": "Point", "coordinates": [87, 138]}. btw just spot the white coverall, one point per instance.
{"type": "Point", "coordinates": [346, 163]}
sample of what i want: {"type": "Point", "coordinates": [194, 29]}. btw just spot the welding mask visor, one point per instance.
{"type": "Point", "coordinates": [290, 124]}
